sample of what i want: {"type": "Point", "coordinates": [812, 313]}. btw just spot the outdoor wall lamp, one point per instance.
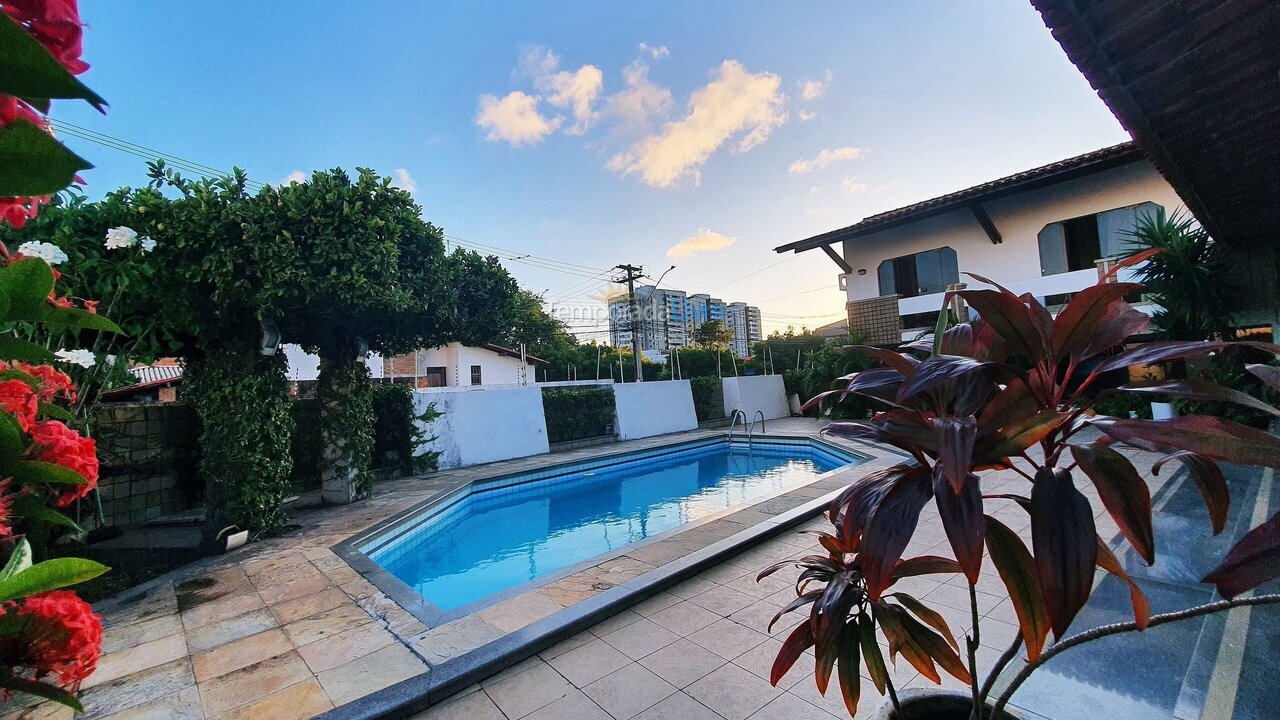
{"type": "Point", "coordinates": [270, 336]}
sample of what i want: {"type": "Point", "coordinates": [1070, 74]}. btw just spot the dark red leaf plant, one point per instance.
{"type": "Point", "coordinates": [1013, 391]}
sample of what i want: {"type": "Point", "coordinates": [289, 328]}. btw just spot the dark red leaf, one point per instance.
{"type": "Point", "coordinates": [906, 429]}
{"type": "Point", "coordinates": [954, 437]}
{"type": "Point", "coordinates": [1253, 561]}
{"type": "Point", "coordinates": [850, 680]}
{"type": "Point", "coordinates": [795, 604]}
{"type": "Point", "coordinates": [1123, 492]}
{"type": "Point", "coordinates": [1118, 323]}
{"type": "Point", "coordinates": [1203, 435]}
{"type": "Point", "coordinates": [901, 641]}
{"type": "Point", "coordinates": [1268, 374]}
{"type": "Point", "coordinates": [879, 383]}
{"type": "Point", "coordinates": [925, 565]}
{"type": "Point", "coordinates": [1017, 570]}
{"type": "Point", "coordinates": [1158, 352]}
{"type": "Point", "coordinates": [1077, 323]}
{"type": "Point", "coordinates": [871, 654]}
{"type": "Point", "coordinates": [830, 611]}
{"type": "Point", "coordinates": [1064, 547]}
{"type": "Point", "coordinates": [817, 399]}
{"type": "Point", "coordinates": [1209, 478]}
{"type": "Point", "coordinates": [1012, 320]}
{"type": "Point", "coordinates": [992, 283]}
{"type": "Point", "coordinates": [961, 514]}
{"type": "Point", "coordinates": [1015, 438]}
{"type": "Point", "coordinates": [935, 647]}
{"type": "Point", "coordinates": [1200, 390]}
{"type": "Point", "coordinates": [958, 341]}
{"type": "Point", "coordinates": [930, 617]}
{"type": "Point", "coordinates": [937, 374]}
{"type": "Point", "coordinates": [904, 364]}
{"type": "Point", "coordinates": [793, 647]}
{"type": "Point", "coordinates": [1108, 561]}
{"type": "Point", "coordinates": [1130, 261]}
{"type": "Point", "coordinates": [891, 526]}
{"type": "Point", "coordinates": [1013, 403]}
{"type": "Point", "coordinates": [853, 506]}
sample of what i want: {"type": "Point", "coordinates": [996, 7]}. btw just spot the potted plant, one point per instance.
{"type": "Point", "coordinates": [1008, 392]}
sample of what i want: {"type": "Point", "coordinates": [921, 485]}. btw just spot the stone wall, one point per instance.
{"type": "Point", "coordinates": [876, 320]}
{"type": "Point", "coordinates": [148, 455]}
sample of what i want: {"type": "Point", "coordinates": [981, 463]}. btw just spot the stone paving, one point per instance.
{"type": "Point", "coordinates": [287, 629]}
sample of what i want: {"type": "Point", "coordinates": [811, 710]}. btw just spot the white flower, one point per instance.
{"type": "Point", "coordinates": [47, 252]}
{"type": "Point", "coordinates": [80, 357]}
{"type": "Point", "coordinates": [121, 237]}
{"type": "Point", "coordinates": [147, 244]}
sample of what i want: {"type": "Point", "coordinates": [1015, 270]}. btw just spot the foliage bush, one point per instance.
{"type": "Point", "coordinates": [244, 437]}
{"type": "Point", "coordinates": [708, 398]}
{"type": "Point", "coordinates": [304, 443]}
{"type": "Point", "coordinates": [345, 394]}
{"type": "Point", "coordinates": [578, 413]}
{"type": "Point", "coordinates": [398, 433]}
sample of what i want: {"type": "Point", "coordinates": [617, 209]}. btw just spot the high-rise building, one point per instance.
{"type": "Point", "coordinates": [670, 318]}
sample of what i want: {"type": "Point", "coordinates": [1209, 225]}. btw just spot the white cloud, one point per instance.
{"type": "Point", "coordinates": [813, 89]}
{"type": "Point", "coordinates": [735, 102]}
{"type": "Point", "coordinates": [705, 240]}
{"type": "Point", "coordinates": [657, 53]}
{"type": "Point", "coordinates": [404, 180]}
{"type": "Point", "coordinates": [297, 176]}
{"type": "Point", "coordinates": [825, 158]}
{"type": "Point", "coordinates": [815, 190]}
{"type": "Point", "coordinates": [514, 118]}
{"type": "Point", "coordinates": [806, 116]}
{"type": "Point", "coordinates": [852, 186]}
{"type": "Point", "coordinates": [644, 100]}
{"type": "Point", "coordinates": [576, 91]}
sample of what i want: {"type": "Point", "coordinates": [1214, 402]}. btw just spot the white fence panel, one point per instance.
{"type": "Point", "coordinates": [750, 393]}
{"type": "Point", "coordinates": [646, 409]}
{"type": "Point", "coordinates": [485, 424]}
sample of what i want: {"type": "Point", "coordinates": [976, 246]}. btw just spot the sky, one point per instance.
{"type": "Point", "coordinates": [577, 136]}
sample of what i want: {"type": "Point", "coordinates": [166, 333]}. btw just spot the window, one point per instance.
{"type": "Point", "coordinates": [923, 273]}
{"type": "Point", "coordinates": [475, 375]}
{"type": "Point", "coordinates": [434, 377]}
{"type": "Point", "coordinates": [1078, 243]}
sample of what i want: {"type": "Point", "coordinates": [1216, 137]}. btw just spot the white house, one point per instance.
{"type": "Point", "coordinates": [457, 365]}
{"type": "Point", "coordinates": [1044, 231]}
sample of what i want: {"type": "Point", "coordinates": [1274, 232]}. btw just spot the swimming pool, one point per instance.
{"type": "Point", "coordinates": [498, 534]}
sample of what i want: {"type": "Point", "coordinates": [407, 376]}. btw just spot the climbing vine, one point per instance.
{"type": "Point", "coordinates": [245, 429]}
{"type": "Point", "coordinates": [346, 427]}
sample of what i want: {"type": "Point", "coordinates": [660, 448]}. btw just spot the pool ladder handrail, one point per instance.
{"type": "Point", "coordinates": [734, 421]}
{"type": "Point", "coordinates": [750, 427]}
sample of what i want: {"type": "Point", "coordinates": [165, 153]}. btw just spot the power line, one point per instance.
{"type": "Point", "coordinates": [755, 272]}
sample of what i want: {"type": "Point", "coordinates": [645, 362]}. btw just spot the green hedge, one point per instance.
{"type": "Point", "coordinates": [708, 398]}
{"type": "Point", "coordinates": [578, 413]}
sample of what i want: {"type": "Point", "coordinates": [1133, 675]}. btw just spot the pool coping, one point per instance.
{"type": "Point", "coordinates": [445, 679]}
{"type": "Point", "coordinates": [428, 613]}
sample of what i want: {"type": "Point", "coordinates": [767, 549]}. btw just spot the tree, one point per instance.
{"type": "Point", "coordinates": [713, 335]}
{"type": "Point", "coordinates": [1184, 278]}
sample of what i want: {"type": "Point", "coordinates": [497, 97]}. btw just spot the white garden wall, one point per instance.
{"type": "Point", "coordinates": [750, 393]}
{"type": "Point", "coordinates": [646, 409]}
{"type": "Point", "coordinates": [484, 424]}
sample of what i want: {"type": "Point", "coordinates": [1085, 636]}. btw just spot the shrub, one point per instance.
{"type": "Point", "coordinates": [397, 434]}
{"type": "Point", "coordinates": [576, 413]}
{"type": "Point", "coordinates": [708, 398]}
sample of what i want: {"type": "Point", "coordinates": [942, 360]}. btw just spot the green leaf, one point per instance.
{"type": "Point", "coordinates": [37, 472]}
{"type": "Point", "coordinates": [19, 560]}
{"type": "Point", "coordinates": [27, 283]}
{"type": "Point", "coordinates": [12, 348]}
{"type": "Point", "coordinates": [39, 689]}
{"type": "Point", "coordinates": [29, 507]}
{"type": "Point", "coordinates": [32, 162]}
{"type": "Point", "coordinates": [50, 575]}
{"type": "Point", "coordinates": [49, 410]}
{"type": "Point", "coordinates": [11, 440]}
{"type": "Point", "coordinates": [73, 319]}
{"type": "Point", "coordinates": [27, 70]}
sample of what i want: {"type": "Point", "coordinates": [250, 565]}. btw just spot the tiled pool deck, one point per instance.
{"type": "Point", "coordinates": [289, 630]}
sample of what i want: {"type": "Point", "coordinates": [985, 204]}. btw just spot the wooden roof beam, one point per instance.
{"type": "Point", "coordinates": [989, 227]}
{"type": "Point", "coordinates": [837, 259]}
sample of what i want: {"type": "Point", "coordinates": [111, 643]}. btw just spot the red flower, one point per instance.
{"type": "Point", "coordinates": [6, 507]}
{"type": "Point", "coordinates": [53, 383]}
{"type": "Point", "coordinates": [60, 635]}
{"type": "Point", "coordinates": [56, 24]}
{"type": "Point", "coordinates": [19, 400]}
{"type": "Point", "coordinates": [91, 306]}
{"type": "Point", "coordinates": [56, 443]}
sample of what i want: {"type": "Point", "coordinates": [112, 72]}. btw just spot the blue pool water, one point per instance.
{"type": "Point", "coordinates": [496, 538]}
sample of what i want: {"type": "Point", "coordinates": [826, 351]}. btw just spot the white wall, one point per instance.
{"type": "Point", "coordinates": [486, 424]}
{"type": "Point", "coordinates": [645, 409]}
{"type": "Point", "coordinates": [1019, 218]}
{"type": "Point", "coordinates": [305, 366]}
{"type": "Point", "coordinates": [750, 393]}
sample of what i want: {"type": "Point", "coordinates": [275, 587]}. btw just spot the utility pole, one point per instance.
{"type": "Point", "coordinates": [633, 273]}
